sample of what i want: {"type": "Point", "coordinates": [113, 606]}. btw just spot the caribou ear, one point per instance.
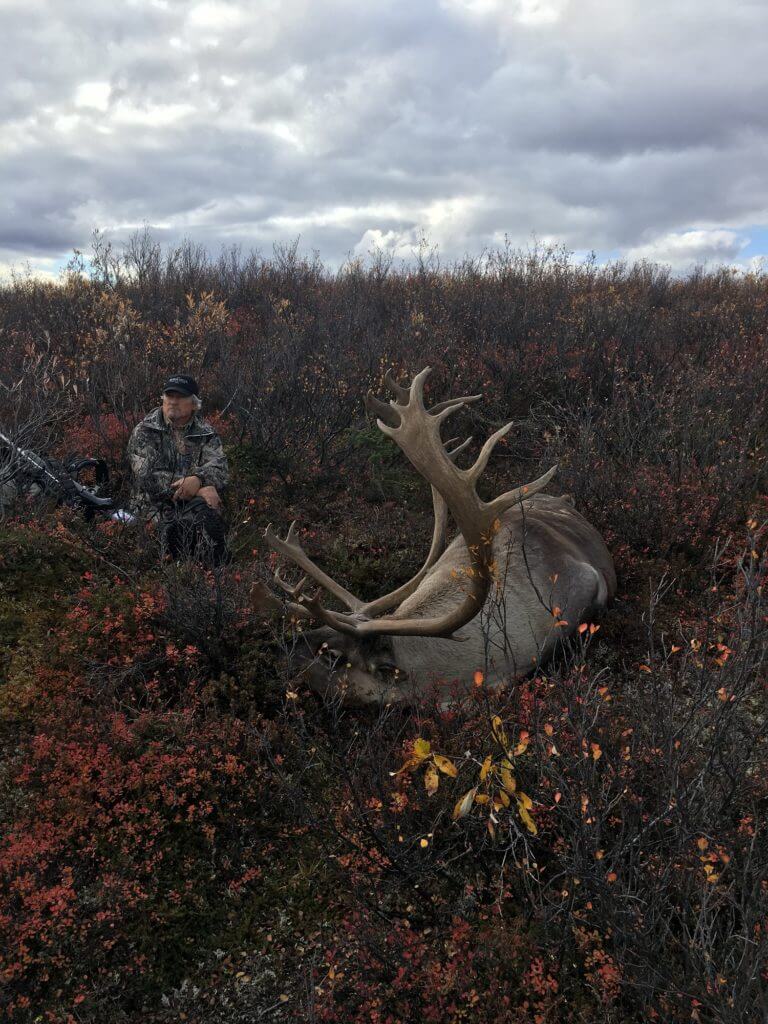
{"type": "Point", "coordinates": [264, 603]}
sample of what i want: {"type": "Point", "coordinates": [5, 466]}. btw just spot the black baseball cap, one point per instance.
{"type": "Point", "coordinates": [182, 383]}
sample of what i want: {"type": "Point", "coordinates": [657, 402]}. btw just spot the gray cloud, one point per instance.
{"type": "Point", "coordinates": [623, 128]}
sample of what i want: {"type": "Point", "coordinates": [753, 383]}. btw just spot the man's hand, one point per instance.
{"type": "Point", "coordinates": [186, 488]}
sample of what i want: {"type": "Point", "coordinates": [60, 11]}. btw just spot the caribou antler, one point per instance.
{"type": "Point", "coordinates": [416, 431]}
{"type": "Point", "coordinates": [292, 549]}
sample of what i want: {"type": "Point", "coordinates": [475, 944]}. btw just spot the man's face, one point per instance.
{"type": "Point", "coordinates": [177, 407]}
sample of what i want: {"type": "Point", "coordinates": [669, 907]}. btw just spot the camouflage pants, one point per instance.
{"type": "Point", "coordinates": [192, 529]}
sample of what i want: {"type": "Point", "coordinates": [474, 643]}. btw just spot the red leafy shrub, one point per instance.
{"type": "Point", "coordinates": [387, 971]}
{"type": "Point", "coordinates": [137, 836]}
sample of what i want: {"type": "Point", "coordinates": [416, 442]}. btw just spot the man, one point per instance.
{"type": "Point", "coordinates": [180, 469]}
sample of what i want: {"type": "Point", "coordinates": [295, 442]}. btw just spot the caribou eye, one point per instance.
{"type": "Point", "coordinates": [389, 668]}
{"type": "Point", "coordinates": [329, 655]}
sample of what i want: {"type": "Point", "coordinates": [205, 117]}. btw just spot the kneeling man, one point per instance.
{"type": "Point", "coordinates": [180, 470]}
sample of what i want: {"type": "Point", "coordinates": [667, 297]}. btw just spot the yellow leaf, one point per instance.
{"type": "Point", "coordinates": [524, 800]}
{"type": "Point", "coordinates": [498, 731]}
{"type": "Point", "coordinates": [508, 780]}
{"type": "Point", "coordinates": [423, 843]}
{"type": "Point", "coordinates": [410, 763]}
{"type": "Point", "coordinates": [446, 766]}
{"type": "Point", "coordinates": [485, 769]}
{"type": "Point", "coordinates": [463, 805]}
{"type": "Point", "coordinates": [527, 820]}
{"type": "Point", "coordinates": [482, 798]}
{"type": "Point", "coordinates": [421, 749]}
{"type": "Point", "coordinates": [501, 800]}
{"type": "Point", "coordinates": [431, 780]}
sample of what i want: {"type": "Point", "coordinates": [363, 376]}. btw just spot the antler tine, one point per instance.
{"type": "Point", "coordinates": [416, 390]}
{"type": "Point", "coordinates": [293, 592]}
{"type": "Point", "coordinates": [376, 408]}
{"type": "Point", "coordinates": [402, 394]}
{"type": "Point", "coordinates": [291, 549]}
{"type": "Point", "coordinates": [312, 607]}
{"type": "Point", "coordinates": [475, 471]}
{"type": "Point", "coordinates": [450, 403]}
{"type": "Point", "coordinates": [452, 455]}
{"type": "Point", "coordinates": [518, 494]}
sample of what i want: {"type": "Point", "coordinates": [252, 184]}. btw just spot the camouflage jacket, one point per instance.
{"type": "Point", "coordinates": [156, 459]}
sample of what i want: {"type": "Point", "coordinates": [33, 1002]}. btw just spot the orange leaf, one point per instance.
{"type": "Point", "coordinates": [446, 766]}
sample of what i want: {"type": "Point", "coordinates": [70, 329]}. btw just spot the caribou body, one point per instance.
{"type": "Point", "coordinates": [523, 572]}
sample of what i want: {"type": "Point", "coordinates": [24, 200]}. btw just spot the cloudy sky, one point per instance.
{"type": "Point", "coordinates": [634, 128]}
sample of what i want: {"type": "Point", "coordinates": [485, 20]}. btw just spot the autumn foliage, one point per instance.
{"type": "Point", "coordinates": [189, 834]}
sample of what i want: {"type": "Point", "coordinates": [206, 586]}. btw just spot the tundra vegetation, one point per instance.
{"type": "Point", "coordinates": [190, 833]}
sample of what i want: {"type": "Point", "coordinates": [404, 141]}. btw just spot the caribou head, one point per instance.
{"type": "Point", "coordinates": [522, 573]}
